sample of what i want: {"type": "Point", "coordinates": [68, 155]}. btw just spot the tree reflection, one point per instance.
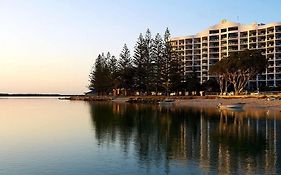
{"type": "Point", "coordinates": [224, 142]}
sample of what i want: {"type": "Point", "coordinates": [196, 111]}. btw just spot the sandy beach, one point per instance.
{"type": "Point", "coordinates": [250, 103]}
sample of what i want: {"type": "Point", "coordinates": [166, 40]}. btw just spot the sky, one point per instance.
{"type": "Point", "coordinates": [49, 46]}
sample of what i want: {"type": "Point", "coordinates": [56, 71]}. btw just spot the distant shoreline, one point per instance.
{"type": "Point", "coordinates": [34, 95]}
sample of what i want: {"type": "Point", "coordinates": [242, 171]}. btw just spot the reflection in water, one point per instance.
{"type": "Point", "coordinates": [223, 142]}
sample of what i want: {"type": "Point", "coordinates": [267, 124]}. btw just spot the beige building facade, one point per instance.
{"type": "Point", "coordinates": [204, 49]}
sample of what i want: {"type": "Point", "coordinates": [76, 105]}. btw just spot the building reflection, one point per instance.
{"type": "Point", "coordinates": [224, 142]}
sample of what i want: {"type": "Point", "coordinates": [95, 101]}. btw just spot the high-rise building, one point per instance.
{"type": "Point", "coordinates": [204, 49]}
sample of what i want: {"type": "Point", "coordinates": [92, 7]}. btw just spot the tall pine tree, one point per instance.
{"type": "Point", "coordinates": [100, 76]}
{"type": "Point", "coordinates": [158, 63]}
{"type": "Point", "coordinates": [139, 63]}
{"type": "Point", "coordinates": [148, 61]}
{"type": "Point", "coordinates": [126, 70]}
{"type": "Point", "coordinates": [172, 69]}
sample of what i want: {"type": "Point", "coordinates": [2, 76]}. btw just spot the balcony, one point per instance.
{"type": "Point", "coordinates": [213, 45]}
{"type": "Point", "coordinates": [232, 43]}
{"type": "Point", "coordinates": [232, 37]}
{"type": "Point", "coordinates": [213, 40]}
{"type": "Point", "coordinates": [197, 41]}
{"type": "Point", "coordinates": [214, 51]}
{"type": "Point", "coordinates": [243, 34]}
{"type": "Point", "coordinates": [188, 65]}
{"type": "Point", "coordinates": [213, 57]}
{"type": "Point", "coordinates": [243, 43]}
{"type": "Point", "coordinates": [270, 66]}
{"type": "Point", "coordinates": [278, 37]}
{"type": "Point", "coordinates": [270, 51]}
{"type": "Point", "coordinates": [261, 45]}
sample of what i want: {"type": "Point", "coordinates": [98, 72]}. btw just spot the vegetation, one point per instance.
{"type": "Point", "coordinates": [155, 68]}
{"type": "Point", "coordinates": [238, 68]}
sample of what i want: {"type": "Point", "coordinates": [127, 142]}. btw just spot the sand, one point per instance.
{"type": "Point", "coordinates": [250, 103]}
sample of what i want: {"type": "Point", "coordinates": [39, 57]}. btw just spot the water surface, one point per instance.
{"type": "Point", "coordinates": [48, 136]}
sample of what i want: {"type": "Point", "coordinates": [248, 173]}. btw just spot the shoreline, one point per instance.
{"type": "Point", "coordinates": [251, 102]}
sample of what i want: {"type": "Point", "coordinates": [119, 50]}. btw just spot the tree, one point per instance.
{"type": "Point", "coordinates": [100, 76]}
{"type": "Point", "coordinates": [172, 74]}
{"type": "Point", "coordinates": [126, 70]}
{"type": "Point", "coordinates": [192, 82]}
{"type": "Point", "coordinates": [113, 69]}
{"type": "Point", "coordinates": [219, 70]}
{"type": "Point", "coordinates": [139, 63]}
{"type": "Point", "coordinates": [167, 58]}
{"type": "Point", "coordinates": [239, 67]}
{"type": "Point", "coordinates": [158, 63]}
{"type": "Point", "coordinates": [211, 85]}
{"type": "Point", "coordinates": [148, 61]}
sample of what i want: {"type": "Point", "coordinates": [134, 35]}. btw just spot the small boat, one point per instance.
{"type": "Point", "coordinates": [231, 106]}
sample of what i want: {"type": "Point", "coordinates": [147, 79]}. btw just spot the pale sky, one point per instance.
{"type": "Point", "coordinates": [49, 46]}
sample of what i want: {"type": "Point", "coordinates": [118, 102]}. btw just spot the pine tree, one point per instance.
{"type": "Point", "coordinates": [126, 70]}
{"type": "Point", "coordinates": [158, 63]}
{"type": "Point", "coordinates": [167, 58]}
{"type": "Point", "coordinates": [139, 63]}
{"type": "Point", "coordinates": [100, 78]}
{"type": "Point", "coordinates": [113, 69]}
{"type": "Point", "coordinates": [172, 69]}
{"type": "Point", "coordinates": [148, 61]}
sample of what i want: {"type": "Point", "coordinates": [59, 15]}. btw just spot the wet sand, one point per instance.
{"type": "Point", "coordinates": [250, 103]}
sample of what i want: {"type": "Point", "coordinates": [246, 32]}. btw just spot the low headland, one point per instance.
{"type": "Point", "coordinates": [267, 102]}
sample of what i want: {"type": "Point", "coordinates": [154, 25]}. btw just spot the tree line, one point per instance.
{"type": "Point", "coordinates": [153, 67]}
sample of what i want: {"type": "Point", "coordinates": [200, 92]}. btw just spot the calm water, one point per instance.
{"type": "Point", "coordinates": [52, 137]}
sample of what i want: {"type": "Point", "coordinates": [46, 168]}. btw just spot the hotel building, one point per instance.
{"type": "Point", "coordinates": [204, 49]}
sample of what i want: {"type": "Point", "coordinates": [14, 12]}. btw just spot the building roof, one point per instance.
{"type": "Point", "coordinates": [225, 24]}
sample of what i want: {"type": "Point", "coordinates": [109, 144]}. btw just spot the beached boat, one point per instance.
{"type": "Point", "coordinates": [231, 106]}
